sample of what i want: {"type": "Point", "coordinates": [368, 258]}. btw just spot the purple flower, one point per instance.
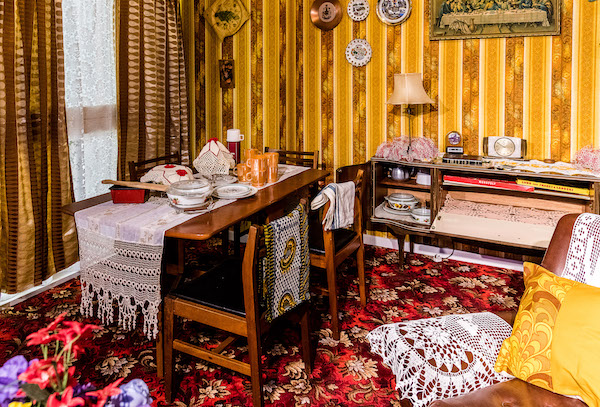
{"type": "Point", "coordinates": [9, 385]}
{"type": "Point", "coordinates": [79, 390]}
{"type": "Point", "coordinates": [133, 394]}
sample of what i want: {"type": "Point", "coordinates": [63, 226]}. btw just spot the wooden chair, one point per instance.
{"type": "Point", "coordinates": [329, 248]}
{"type": "Point", "coordinates": [138, 168]}
{"type": "Point", "coordinates": [227, 298]}
{"type": "Point", "coordinates": [302, 158]}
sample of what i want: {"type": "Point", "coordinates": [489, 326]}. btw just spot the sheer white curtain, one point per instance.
{"type": "Point", "coordinates": [91, 93]}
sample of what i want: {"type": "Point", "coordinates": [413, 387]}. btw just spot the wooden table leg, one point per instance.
{"type": "Point", "coordinates": [225, 242]}
{"type": "Point", "coordinates": [401, 239]}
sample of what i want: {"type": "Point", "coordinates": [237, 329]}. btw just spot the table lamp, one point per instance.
{"type": "Point", "coordinates": [408, 90]}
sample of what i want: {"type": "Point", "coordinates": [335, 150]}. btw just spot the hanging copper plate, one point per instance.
{"type": "Point", "coordinates": [326, 14]}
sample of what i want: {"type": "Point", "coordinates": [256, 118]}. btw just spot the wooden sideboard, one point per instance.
{"type": "Point", "coordinates": [483, 231]}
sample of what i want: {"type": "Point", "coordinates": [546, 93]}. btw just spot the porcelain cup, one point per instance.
{"type": "Point", "coordinates": [258, 170]}
{"type": "Point", "coordinates": [273, 166]}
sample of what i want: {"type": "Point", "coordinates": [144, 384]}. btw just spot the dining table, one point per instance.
{"type": "Point", "coordinates": [204, 226]}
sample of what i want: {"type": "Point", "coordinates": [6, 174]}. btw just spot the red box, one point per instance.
{"type": "Point", "coordinates": [122, 194]}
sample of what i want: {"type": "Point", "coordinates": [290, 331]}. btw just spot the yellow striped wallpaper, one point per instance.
{"type": "Point", "coordinates": [295, 89]}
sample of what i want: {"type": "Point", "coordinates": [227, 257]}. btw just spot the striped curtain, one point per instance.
{"type": "Point", "coordinates": [36, 239]}
{"type": "Point", "coordinates": [152, 98]}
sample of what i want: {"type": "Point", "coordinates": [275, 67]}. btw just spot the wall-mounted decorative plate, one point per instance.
{"type": "Point", "coordinates": [226, 16]}
{"type": "Point", "coordinates": [393, 11]}
{"type": "Point", "coordinates": [358, 52]}
{"type": "Point", "coordinates": [326, 14]}
{"type": "Point", "coordinates": [358, 10]}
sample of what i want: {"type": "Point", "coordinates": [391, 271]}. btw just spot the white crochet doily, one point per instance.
{"type": "Point", "coordinates": [167, 174]}
{"type": "Point", "coordinates": [214, 159]}
{"type": "Point", "coordinates": [582, 262]}
{"type": "Point", "coordinates": [443, 357]}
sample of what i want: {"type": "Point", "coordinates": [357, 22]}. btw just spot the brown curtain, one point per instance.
{"type": "Point", "coordinates": [36, 239]}
{"type": "Point", "coordinates": [152, 97]}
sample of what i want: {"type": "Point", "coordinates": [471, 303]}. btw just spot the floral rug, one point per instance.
{"type": "Point", "coordinates": [345, 372]}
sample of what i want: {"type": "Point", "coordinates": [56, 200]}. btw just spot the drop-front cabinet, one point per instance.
{"type": "Point", "coordinates": [494, 212]}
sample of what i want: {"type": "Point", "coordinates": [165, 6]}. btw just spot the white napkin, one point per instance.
{"type": "Point", "coordinates": [341, 210]}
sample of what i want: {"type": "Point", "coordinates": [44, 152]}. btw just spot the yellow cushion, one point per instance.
{"type": "Point", "coordinates": [555, 343]}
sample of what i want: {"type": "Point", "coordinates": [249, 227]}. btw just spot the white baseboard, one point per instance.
{"type": "Point", "coordinates": [445, 252]}
{"type": "Point", "coordinates": [58, 278]}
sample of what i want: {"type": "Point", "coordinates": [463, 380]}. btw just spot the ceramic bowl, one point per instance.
{"type": "Point", "coordinates": [423, 178]}
{"type": "Point", "coordinates": [401, 201]}
{"type": "Point", "coordinates": [189, 194]}
{"type": "Point", "coordinates": [422, 215]}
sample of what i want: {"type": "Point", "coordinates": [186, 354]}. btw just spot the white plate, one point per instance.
{"type": "Point", "coordinates": [219, 180]}
{"type": "Point", "coordinates": [358, 10]}
{"type": "Point", "coordinates": [196, 207]}
{"type": "Point", "coordinates": [235, 191]}
{"type": "Point", "coordinates": [393, 11]}
{"type": "Point", "coordinates": [358, 52]}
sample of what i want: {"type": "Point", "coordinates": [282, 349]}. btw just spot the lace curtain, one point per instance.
{"type": "Point", "coordinates": [91, 93]}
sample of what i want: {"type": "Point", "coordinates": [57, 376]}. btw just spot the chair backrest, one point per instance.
{"type": "Point", "coordinates": [556, 254]}
{"type": "Point", "coordinates": [255, 252]}
{"type": "Point", "coordinates": [138, 168]}
{"type": "Point", "coordinates": [349, 173]}
{"type": "Point", "coordinates": [357, 226]}
{"type": "Point", "coordinates": [302, 158]}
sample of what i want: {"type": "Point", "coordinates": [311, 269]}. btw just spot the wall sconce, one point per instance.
{"type": "Point", "coordinates": [408, 90]}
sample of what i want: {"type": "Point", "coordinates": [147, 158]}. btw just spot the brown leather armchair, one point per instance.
{"type": "Point", "coordinates": [515, 392]}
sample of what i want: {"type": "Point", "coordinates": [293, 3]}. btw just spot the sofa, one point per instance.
{"type": "Point", "coordinates": [515, 392]}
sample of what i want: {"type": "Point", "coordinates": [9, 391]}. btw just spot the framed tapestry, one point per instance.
{"type": "Point", "coordinates": [460, 19]}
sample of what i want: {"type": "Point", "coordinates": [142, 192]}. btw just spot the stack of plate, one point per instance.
{"type": "Point", "coordinates": [400, 203]}
{"type": "Point", "coordinates": [234, 191]}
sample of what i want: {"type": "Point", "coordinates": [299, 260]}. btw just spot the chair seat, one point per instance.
{"type": "Point", "coordinates": [341, 238]}
{"type": "Point", "coordinates": [220, 288]}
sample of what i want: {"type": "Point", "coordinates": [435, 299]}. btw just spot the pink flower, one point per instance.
{"type": "Point", "coordinates": [66, 400]}
{"type": "Point", "coordinates": [181, 172]}
{"type": "Point", "coordinates": [41, 372]}
{"type": "Point", "coordinates": [44, 336]}
{"type": "Point", "coordinates": [105, 393]}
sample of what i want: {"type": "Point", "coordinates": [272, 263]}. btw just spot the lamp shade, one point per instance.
{"type": "Point", "coordinates": [408, 90]}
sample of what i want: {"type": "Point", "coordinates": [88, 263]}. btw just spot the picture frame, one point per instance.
{"type": "Point", "coordinates": [227, 73]}
{"type": "Point", "coordinates": [463, 19]}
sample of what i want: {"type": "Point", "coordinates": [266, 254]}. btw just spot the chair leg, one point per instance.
{"type": "Point", "coordinates": [362, 284]}
{"type": "Point", "coordinates": [169, 365]}
{"type": "Point", "coordinates": [236, 240]}
{"type": "Point", "coordinates": [307, 356]}
{"type": "Point", "coordinates": [333, 299]}
{"type": "Point", "coordinates": [255, 353]}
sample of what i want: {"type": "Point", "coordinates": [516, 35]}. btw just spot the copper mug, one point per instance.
{"type": "Point", "coordinates": [258, 170]}
{"type": "Point", "coordinates": [242, 171]}
{"type": "Point", "coordinates": [272, 166]}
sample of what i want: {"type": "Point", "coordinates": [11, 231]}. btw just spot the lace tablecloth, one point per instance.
{"type": "Point", "coordinates": [120, 249]}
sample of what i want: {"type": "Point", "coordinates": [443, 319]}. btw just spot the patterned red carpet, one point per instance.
{"type": "Point", "coordinates": [345, 372]}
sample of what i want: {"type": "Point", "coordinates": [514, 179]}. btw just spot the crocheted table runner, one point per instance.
{"type": "Point", "coordinates": [120, 250]}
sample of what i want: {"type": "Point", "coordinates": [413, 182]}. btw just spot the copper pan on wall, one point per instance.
{"type": "Point", "coordinates": [326, 14]}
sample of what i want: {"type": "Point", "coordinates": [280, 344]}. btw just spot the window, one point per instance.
{"type": "Point", "coordinates": [91, 93]}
